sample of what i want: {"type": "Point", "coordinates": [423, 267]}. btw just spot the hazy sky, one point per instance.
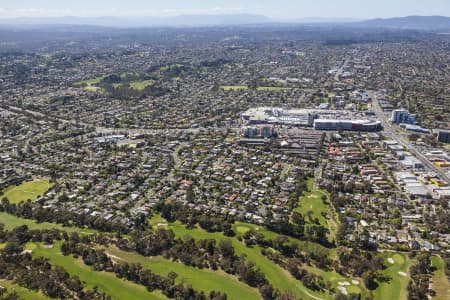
{"type": "Point", "coordinates": [273, 8]}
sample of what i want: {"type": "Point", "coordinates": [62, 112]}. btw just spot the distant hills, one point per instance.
{"type": "Point", "coordinates": [429, 23]}
{"type": "Point", "coordinates": [411, 22]}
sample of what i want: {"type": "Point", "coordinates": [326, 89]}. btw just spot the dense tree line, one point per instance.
{"type": "Point", "coordinates": [287, 249]}
{"type": "Point", "coordinates": [178, 212]}
{"type": "Point", "coordinates": [38, 274]}
{"type": "Point", "coordinates": [356, 262]}
{"type": "Point", "coordinates": [420, 277]}
{"type": "Point", "coordinates": [311, 281]}
{"type": "Point", "coordinates": [205, 253]}
{"type": "Point", "coordinates": [135, 273]}
{"type": "Point", "coordinates": [446, 258]}
{"type": "Point", "coordinates": [27, 210]}
{"type": "Point", "coordinates": [310, 232]}
{"type": "Point", "coordinates": [359, 263]}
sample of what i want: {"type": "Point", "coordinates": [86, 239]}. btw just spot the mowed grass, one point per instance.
{"type": "Point", "coordinates": [276, 275]}
{"type": "Point", "coordinates": [240, 228]}
{"type": "Point", "coordinates": [200, 279]}
{"type": "Point", "coordinates": [140, 85]}
{"type": "Point", "coordinates": [12, 222]}
{"type": "Point", "coordinates": [90, 83]}
{"type": "Point", "coordinates": [441, 285]}
{"type": "Point", "coordinates": [234, 87]}
{"type": "Point", "coordinates": [311, 203]}
{"type": "Point", "coordinates": [335, 279]}
{"type": "Point", "coordinates": [105, 282]}
{"type": "Point", "coordinates": [23, 292]}
{"type": "Point", "coordinates": [27, 190]}
{"type": "Point", "coordinates": [136, 85]}
{"type": "Point", "coordinates": [272, 89]}
{"type": "Point", "coordinates": [395, 288]}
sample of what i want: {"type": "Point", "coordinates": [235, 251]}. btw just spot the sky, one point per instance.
{"type": "Point", "coordinates": [281, 9]}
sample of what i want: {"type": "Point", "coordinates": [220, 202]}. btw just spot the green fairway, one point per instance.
{"type": "Point", "coordinates": [312, 203]}
{"type": "Point", "coordinates": [89, 84]}
{"type": "Point", "coordinates": [241, 228]}
{"type": "Point", "coordinates": [125, 75]}
{"type": "Point", "coordinates": [165, 68]}
{"type": "Point", "coordinates": [352, 285]}
{"type": "Point", "coordinates": [136, 85]}
{"type": "Point", "coordinates": [106, 282]}
{"type": "Point", "coordinates": [27, 190]}
{"type": "Point", "coordinates": [234, 87]}
{"type": "Point", "coordinates": [11, 222]}
{"type": "Point", "coordinates": [272, 88]}
{"type": "Point", "coordinates": [23, 292]}
{"type": "Point", "coordinates": [395, 288]}
{"type": "Point", "coordinates": [140, 85]}
{"type": "Point", "coordinates": [201, 279]}
{"type": "Point", "coordinates": [441, 284]}
{"type": "Point", "coordinates": [276, 275]}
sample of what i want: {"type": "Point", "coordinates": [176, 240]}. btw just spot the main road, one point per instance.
{"type": "Point", "coordinates": [341, 68]}
{"type": "Point", "coordinates": [394, 133]}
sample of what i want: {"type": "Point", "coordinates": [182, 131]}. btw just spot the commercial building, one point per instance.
{"type": "Point", "coordinates": [415, 128]}
{"type": "Point", "coordinates": [275, 115]}
{"type": "Point", "coordinates": [399, 116]}
{"type": "Point", "coordinates": [347, 125]}
{"type": "Point", "coordinates": [265, 131]}
{"type": "Point", "coordinates": [320, 119]}
{"type": "Point", "coordinates": [444, 136]}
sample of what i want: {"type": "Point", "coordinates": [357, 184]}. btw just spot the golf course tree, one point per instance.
{"type": "Point", "coordinates": [9, 295]}
{"type": "Point", "coordinates": [178, 212]}
{"type": "Point", "coordinates": [203, 253]}
{"type": "Point", "coordinates": [200, 253]}
{"type": "Point", "coordinates": [39, 275]}
{"type": "Point", "coordinates": [61, 216]}
{"type": "Point", "coordinates": [420, 277]}
{"type": "Point", "coordinates": [135, 273]}
{"type": "Point", "coordinates": [357, 262]}
{"type": "Point", "coordinates": [310, 280]}
{"type": "Point", "coordinates": [286, 250]}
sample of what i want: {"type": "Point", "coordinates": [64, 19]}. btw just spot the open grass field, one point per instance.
{"type": "Point", "coordinates": [23, 292]}
{"type": "Point", "coordinates": [106, 282]}
{"type": "Point", "coordinates": [201, 279]}
{"type": "Point", "coordinates": [441, 285]}
{"type": "Point", "coordinates": [276, 275]}
{"type": "Point", "coordinates": [27, 190]}
{"type": "Point", "coordinates": [11, 222]}
{"type": "Point", "coordinates": [395, 288]}
{"type": "Point", "coordinates": [234, 87]}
